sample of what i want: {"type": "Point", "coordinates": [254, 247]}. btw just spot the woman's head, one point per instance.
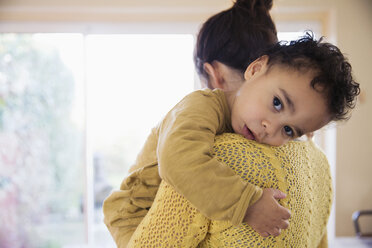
{"type": "Point", "coordinates": [235, 37]}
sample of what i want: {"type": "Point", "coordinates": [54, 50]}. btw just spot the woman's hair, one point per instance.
{"type": "Point", "coordinates": [332, 72]}
{"type": "Point", "coordinates": [236, 36]}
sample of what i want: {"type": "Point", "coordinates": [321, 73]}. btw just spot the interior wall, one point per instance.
{"type": "Point", "coordinates": [109, 10]}
{"type": "Point", "coordinates": [349, 22]}
{"type": "Point", "coordinates": [354, 167]}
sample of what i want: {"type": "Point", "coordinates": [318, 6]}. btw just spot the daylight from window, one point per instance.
{"type": "Point", "coordinates": [56, 92]}
{"type": "Point", "coordinates": [68, 101]}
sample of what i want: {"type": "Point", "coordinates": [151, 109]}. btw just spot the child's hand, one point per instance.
{"type": "Point", "coordinates": [267, 216]}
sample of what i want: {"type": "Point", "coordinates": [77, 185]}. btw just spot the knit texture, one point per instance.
{"type": "Point", "coordinates": [179, 151]}
{"type": "Point", "coordinates": [299, 169]}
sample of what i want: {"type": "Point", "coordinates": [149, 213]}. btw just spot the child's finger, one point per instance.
{"type": "Point", "coordinates": [264, 234]}
{"type": "Point", "coordinates": [277, 194]}
{"type": "Point", "coordinates": [275, 231]}
{"type": "Point", "coordinates": [286, 214]}
{"type": "Point", "coordinates": [284, 224]}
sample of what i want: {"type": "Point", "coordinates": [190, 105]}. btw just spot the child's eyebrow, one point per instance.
{"type": "Point", "coordinates": [288, 100]}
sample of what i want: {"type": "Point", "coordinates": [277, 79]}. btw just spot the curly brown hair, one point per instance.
{"type": "Point", "coordinates": [332, 72]}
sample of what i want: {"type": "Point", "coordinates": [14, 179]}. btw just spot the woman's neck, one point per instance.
{"type": "Point", "coordinates": [233, 78]}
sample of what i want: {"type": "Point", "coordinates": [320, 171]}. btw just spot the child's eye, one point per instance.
{"type": "Point", "coordinates": [288, 131]}
{"type": "Point", "coordinates": [277, 104]}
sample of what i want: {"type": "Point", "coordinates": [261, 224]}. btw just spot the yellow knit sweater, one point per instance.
{"type": "Point", "coordinates": [299, 169]}
{"type": "Point", "coordinates": [182, 146]}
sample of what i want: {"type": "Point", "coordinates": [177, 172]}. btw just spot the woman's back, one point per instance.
{"type": "Point", "coordinates": [298, 169]}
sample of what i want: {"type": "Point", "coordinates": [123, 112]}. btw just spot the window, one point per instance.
{"type": "Point", "coordinates": [41, 143]}
{"type": "Point", "coordinates": [133, 81]}
{"type": "Point", "coordinates": [75, 109]}
{"type": "Point", "coordinates": [65, 96]}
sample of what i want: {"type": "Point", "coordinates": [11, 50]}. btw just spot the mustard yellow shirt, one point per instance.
{"type": "Point", "coordinates": [182, 146]}
{"type": "Point", "coordinates": [299, 169]}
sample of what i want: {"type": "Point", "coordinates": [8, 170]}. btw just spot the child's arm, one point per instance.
{"type": "Point", "coordinates": [124, 209]}
{"type": "Point", "coordinates": [186, 161]}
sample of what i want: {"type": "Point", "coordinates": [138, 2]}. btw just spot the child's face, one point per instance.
{"type": "Point", "coordinates": [276, 106]}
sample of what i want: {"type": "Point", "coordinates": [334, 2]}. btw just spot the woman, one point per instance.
{"type": "Point", "coordinates": [227, 43]}
{"type": "Point", "coordinates": [298, 168]}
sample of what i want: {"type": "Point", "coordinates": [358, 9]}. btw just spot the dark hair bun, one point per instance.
{"type": "Point", "coordinates": [254, 5]}
{"type": "Point", "coordinates": [235, 36]}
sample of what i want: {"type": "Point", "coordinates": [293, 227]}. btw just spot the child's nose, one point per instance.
{"type": "Point", "coordinates": [270, 127]}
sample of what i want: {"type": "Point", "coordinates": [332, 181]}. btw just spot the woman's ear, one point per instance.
{"type": "Point", "coordinates": [256, 67]}
{"type": "Point", "coordinates": [215, 80]}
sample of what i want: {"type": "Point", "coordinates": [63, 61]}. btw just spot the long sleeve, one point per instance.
{"type": "Point", "coordinates": [186, 162]}
{"type": "Point", "coordinates": [124, 209]}
{"type": "Point", "coordinates": [171, 222]}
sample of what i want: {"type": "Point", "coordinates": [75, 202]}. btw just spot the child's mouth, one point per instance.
{"type": "Point", "coordinates": [248, 133]}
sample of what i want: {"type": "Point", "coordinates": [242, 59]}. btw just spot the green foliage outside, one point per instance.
{"type": "Point", "coordinates": [41, 154]}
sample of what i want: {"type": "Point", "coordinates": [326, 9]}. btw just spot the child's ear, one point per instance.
{"type": "Point", "coordinates": [256, 67]}
{"type": "Point", "coordinates": [214, 77]}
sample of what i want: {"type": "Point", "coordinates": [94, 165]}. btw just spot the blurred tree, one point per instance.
{"type": "Point", "coordinates": [40, 151]}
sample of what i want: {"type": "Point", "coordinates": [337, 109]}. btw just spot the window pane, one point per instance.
{"type": "Point", "coordinates": [133, 81]}
{"type": "Point", "coordinates": [41, 152]}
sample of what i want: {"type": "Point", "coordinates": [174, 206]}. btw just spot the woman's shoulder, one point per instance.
{"type": "Point", "coordinates": [237, 141]}
{"type": "Point", "coordinates": [247, 156]}
{"type": "Point", "coordinates": [233, 139]}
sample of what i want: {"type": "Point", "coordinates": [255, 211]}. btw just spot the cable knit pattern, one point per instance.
{"type": "Point", "coordinates": [299, 169]}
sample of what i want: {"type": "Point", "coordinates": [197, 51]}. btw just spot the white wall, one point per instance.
{"type": "Point", "coordinates": [354, 167]}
